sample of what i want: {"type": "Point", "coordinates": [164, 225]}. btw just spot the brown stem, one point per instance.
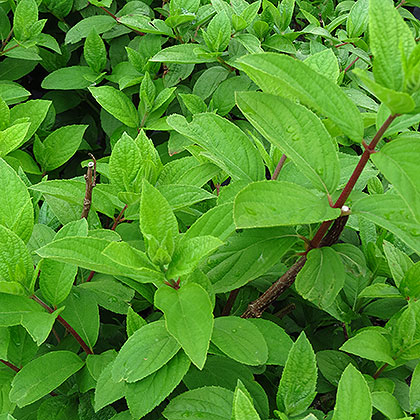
{"type": "Point", "coordinates": [380, 370]}
{"type": "Point", "coordinates": [65, 324]}
{"type": "Point", "coordinates": [90, 178]}
{"type": "Point", "coordinates": [285, 311]}
{"type": "Point", "coordinates": [229, 304]}
{"type": "Point", "coordinates": [10, 365]}
{"type": "Point", "coordinates": [4, 43]}
{"type": "Point", "coordinates": [401, 3]}
{"type": "Point", "coordinates": [9, 49]}
{"type": "Point", "coordinates": [256, 308]}
{"type": "Point", "coordinates": [279, 167]}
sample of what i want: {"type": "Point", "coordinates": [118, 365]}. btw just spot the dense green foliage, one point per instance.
{"type": "Point", "coordinates": [162, 165]}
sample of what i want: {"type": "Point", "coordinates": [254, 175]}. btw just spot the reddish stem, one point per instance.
{"type": "Point", "coordinates": [279, 167]}
{"type": "Point", "coordinates": [10, 365]}
{"type": "Point", "coordinates": [353, 179]}
{"type": "Point", "coordinates": [351, 64]}
{"type": "Point", "coordinates": [380, 370]}
{"type": "Point", "coordinates": [229, 304]}
{"type": "Point", "coordinates": [65, 324]}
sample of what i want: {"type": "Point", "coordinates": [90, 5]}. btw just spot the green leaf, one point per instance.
{"type": "Point", "coordinates": [107, 390]}
{"type": "Point", "coordinates": [69, 78]}
{"type": "Point", "coordinates": [207, 403]}
{"type": "Point", "coordinates": [15, 261]}
{"type": "Point", "coordinates": [298, 381]}
{"type": "Point", "coordinates": [14, 309]}
{"type": "Point", "coordinates": [243, 408]}
{"type": "Point", "coordinates": [144, 395]}
{"type": "Point", "coordinates": [217, 35]}
{"type": "Point", "coordinates": [189, 318]}
{"type": "Point", "coordinates": [35, 109]}
{"type": "Point", "coordinates": [285, 124]}
{"type": "Point", "coordinates": [158, 225]}
{"type": "Point", "coordinates": [357, 21]}
{"type": "Point", "coordinates": [13, 137]}
{"type": "Point", "coordinates": [325, 63]}
{"type": "Point", "coordinates": [39, 325]}
{"type": "Point", "coordinates": [94, 52]}
{"type": "Point", "coordinates": [117, 104]}
{"type": "Point", "coordinates": [398, 261]}
{"type": "Point", "coordinates": [415, 390]}
{"type": "Point", "coordinates": [189, 253]}
{"type": "Point", "coordinates": [56, 280]}
{"type": "Point", "coordinates": [225, 144]}
{"type": "Point", "coordinates": [59, 146]}
{"type": "Point", "coordinates": [82, 29]}
{"type": "Point", "coordinates": [278, 342]}
{"type": "Point", "coordinates": [283, 75]}
{"type": "Point", "coordinates": [387, 404]}
{"type": "Point", "coordinates": [16, 209]}
{"type": "Point", "coordinates": [25, 17]}
{"type": "Point", "coordinates": [179, 196]}
{"type": "Point", "coordinates": [390, 212]}
{"type": "Point", "coordinates": [43, 375]}
{"type": "Point", "coordinates": [353, 397]}
{"type": "Point", "coordinates": [277, 203]}
{"type": "Point", "coordinates": [82, 313]}
{"type": "Point", "coordinates": [391, 42]}
{"type": "Point", "coordinates": [322, 277]}
{"type": "Point", "coordinates": [331, 363]}
{"type": "Point", "coordinates": [410, 287]}
{"type": "Point", "coordinates": [182, 54]}
{"type": "Point", "coordinates": [240, 340]}
{"type": "Point", "coordinates": [134, 322]}
{"type": "Point", "coordinates": [146, 351]}
{"type": "Point", "coordinates": [398, 161]}
{"type": "Point", "coordinates": [246, 256]}
{"type": "Point", "coordinates": [397, 102]}
{"type": "Point", "coordinates": [371, 345]}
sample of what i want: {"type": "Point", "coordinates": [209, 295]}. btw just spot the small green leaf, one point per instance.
{"type": "Point", "coordinates": [398, 261]}
{"type": "Point", "coordinates": [134, 322]}
{"type": "Point", "coordinates": [325, 62]}
{"type": "Point", "coordinates": [182, 54]}
{"type": "Point", "coordinates": [297, 387]}
{"type": "Point", "coordinates": [25, 17]}
{"type": "Point", "coordinates": [117, 104]}
{"type": "Point", "coordinates": [371, 345]}
{"type": "Point", "coordinates": [358, 19]}
{"type": "Point", "coordinates": [82, 29]}
{"type": "Point", "coordinates": [189, 318]}
{"type": "Point", "coordinates": [13, 137]}
{"type": "Point", "coordinates": [189, 253]}
{"type": "Point", "coordinates": [146, 351]}
{"type": "Point", "coordinates": [144, 395]}
{"type": "Point", "coordinates": [59, 146]}
{"type": "Point", "coordinates": [415, 390]}
{"type": "Point", "coordinates": [277, 203]}
{"type": "Point", "coordinates": [43, 375]}
{"type": "Point", "coordinates": [353, 397]}
{"type": "Point", "coordinates": [16, 209]}
{"type": "Point", "coordinates": [410, 287]}
{"type": "Point", "coordinates": [243, 408]}
{"type": "Point", "coordinates": [207, 403]}
{"type": "Point", "coordinates": [240, 340]}
{"type": "Point", "coordinates": [94, 52]}
{"type": "Point", "coordinates": [107, 390]}
{"type": "Point", "coordinates": [69, 78]}
{"type": "Point", "coordinates": [322, 277]}
{"type": "Point", "coordinates": [217, 35]}
{"type": "Point", "coordinates": [331, 363]}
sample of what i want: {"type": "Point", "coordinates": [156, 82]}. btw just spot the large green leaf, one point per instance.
{"type": "Point", "coordinates": [391, 42]}
{"type": "Point", "coordinates": [391, 212]}
{"type": "Point", "coordinates": [297, 132]}
{"type": "Point", "coordinates": [59, 146]}
{"type": "Point", "coordinates": [43, 375]}
{"type": "Point", "coordinates": [240, 339]}
{"type": "Point", "coordinates": [13, 137]}
{"type": "Point", "coordinates": [16, 209]}
{"type": "Point", "coordinates": [370, 344]}
{"type": "Point", "coordinates": [224, 143]}
{"type": "Point", "coordinates": [297, 387]}
{"type": "Point", "coordinates": [277, 203]}
{"type": "Point", "coordinates": [70, 78]}
{"type": "Point", "coordinates": [189, 318]}
{"type": "Point", "coordinates": [182, 54]}
{"type": "Point", "coordinates": [144, 395]}
{"type": "Point", "coordinates": [146, 351]}
{"type": "Point", "coordinates": [117, 104]}
{"type": "Point", "coordinates": [322, 277]}
{"type": "Point", "coordinates": [82, 29]}
{"type": "Point", "coordinates": [282, 75]}
{"type": "Point", "coordinates": [247, 255]}
{"type": "Point", "coordinates": [353, 397]}
{"type": "Point", "coordinates": [15, 261]}
{"type": "Point", "coordinates": [207, 403]}
{"type": "Point", "coordinates": [398, 161]}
